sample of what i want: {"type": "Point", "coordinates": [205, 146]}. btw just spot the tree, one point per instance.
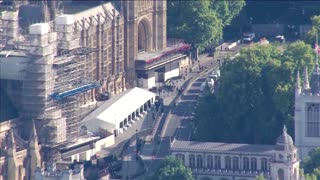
{"type": "Point", "coordinates": [311, 35]}
{"type": "Point", "coordinates": [255, 94]}
{"type": "Point", "coordinates": [260, 177]}
{"type": "Point", "coordinates": [172, 169]}
{"type": "Point", "coordinates": [227, 10]}
{"type": "Point", "coordinates": [301, 54]}
{"type": "Point", "coordinates": [312, 162]}
{"type": "Point", "coordinates": [200, 22]}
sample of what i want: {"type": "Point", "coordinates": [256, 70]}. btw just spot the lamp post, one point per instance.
{"type": "Point", "coordinates": [136, 134]}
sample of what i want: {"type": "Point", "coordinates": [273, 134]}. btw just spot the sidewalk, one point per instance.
{"type": "Point", "coordinates": [140, 128]}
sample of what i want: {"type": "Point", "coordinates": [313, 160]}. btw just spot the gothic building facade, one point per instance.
{"type": "Point", "coordinates": [307, 111]}
{"type": "Point", "coordinates": [68, 53]}
{"type": "Point", "coordinates": [19, 159]}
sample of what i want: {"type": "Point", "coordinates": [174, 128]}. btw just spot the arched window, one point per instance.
{"type": "Point", "coordinates": [217, 162]}
{"type": "Point", "coordinates": [199, 161]}
{"type": "Point", "coordinates": [246, 163]}
{"type": "Point", "coordinates": [264, 164]}
{"type": "Point", "coordinates": [313, 120]}
{"type": "Point", "coordinates": [228, 162]}
{"type": "Point", "coordinates": [191, 161]}
{"type": "Point", "coordinates": [209, 162]}
{"type": "Point", "coordinates": [280, 174]}
{"type": "Point", "coordinates": [180, 157]}
{"type": "Point", "coordinates": [253, 164]}
{"type": "Point", "coordinates": [235, 163]}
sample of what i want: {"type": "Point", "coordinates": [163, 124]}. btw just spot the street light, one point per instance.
{"type": "Point", "coordinates": [136, 134]}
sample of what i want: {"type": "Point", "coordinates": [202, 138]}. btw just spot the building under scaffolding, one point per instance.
{"type": "Point", "coordinates": [60, 62]}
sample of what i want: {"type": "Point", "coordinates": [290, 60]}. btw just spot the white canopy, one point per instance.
{"type": "Point", "coordinates": [118, 108]}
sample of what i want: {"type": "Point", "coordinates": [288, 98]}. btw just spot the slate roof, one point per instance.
{"type": "Point", "coordinates": [195, 146]}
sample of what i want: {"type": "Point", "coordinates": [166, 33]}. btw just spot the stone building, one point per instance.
{"type": "Point", "coordinates": [19, 159]}
{"type": "Point", "coordinates": [225, 161]}
{"type": "Point", "coordinates": [307, 111]}
{"type": "Point", "coordinates": [57, 56]}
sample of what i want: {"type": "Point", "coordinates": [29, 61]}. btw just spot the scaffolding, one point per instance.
{"type": "Point", "coordinates": [73, 82]}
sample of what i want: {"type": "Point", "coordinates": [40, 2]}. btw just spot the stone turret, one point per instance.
{"type": "Point", "coordinates": [306, 85]}
{"type": "Point", "coordinates": [315, 79]}
{"type": "Point", "coordinates": [33, 158]}
{"type": "Point", "coordinates": [298, 85]}
{"type": "Point", "coordinates": [286, 158]}
{"type": "Point", "coordinates": [285, 142]}
{"type": "Point", "coordinates": [11, 157]}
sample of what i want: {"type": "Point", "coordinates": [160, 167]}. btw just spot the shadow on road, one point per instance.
{"type": "Point", "coordinates": [189, 97]}
{"type": "Point", "coordinates": [194, 91]}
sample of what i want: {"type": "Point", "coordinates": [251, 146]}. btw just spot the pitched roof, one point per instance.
{"type": "Point", "coordinates": [195, 146]}
{"type": "Point", "coordinates": [118, 107]}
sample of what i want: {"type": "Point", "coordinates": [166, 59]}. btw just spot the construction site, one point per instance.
{"type": "Point", "coordinates": [58, 57]}
{"type": "Point", "coordinates": [49, 72]}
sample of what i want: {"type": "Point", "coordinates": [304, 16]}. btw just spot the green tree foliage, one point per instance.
{"type": "Point", "coordinates": [312, 162]}
{"type": "Point", "coordinates": [301, 54]}
{"type": "Point", "coordinates": [260, 177]}
{"type": "Point", "coordinates": [310, 177]}
{"type": "Point", "coordinates": [256, 94]}
{"type": "Point", "coordinates": [200, 22]}
{"type": "Point", "coordinates": [172, 169]}
{"type": "Point", "coordinates": [311, 35]}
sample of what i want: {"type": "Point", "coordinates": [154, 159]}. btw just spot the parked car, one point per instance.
{"type": "Point", "coordinates": [104, 96]}
{"type": "Point", "coordinates": [248, 37]}
{"type": "Point", "coordinates": [280, 38]}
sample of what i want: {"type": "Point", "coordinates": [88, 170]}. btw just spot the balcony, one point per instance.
{"type": "Point", "coordinates": [141, 65]}
{"type": "Point", "coordinates": [146, 60]}
{"type": "Point", "coordinates": [221, 172]}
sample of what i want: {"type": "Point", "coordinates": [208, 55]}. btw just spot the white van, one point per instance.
{"type": "Point", "coordinates": [248, 37]}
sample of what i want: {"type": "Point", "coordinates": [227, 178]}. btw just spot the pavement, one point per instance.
{"type": "Point", "coordinates": [140, 128]}
{"type": "Point", "coordinates": [175, 121]}
{"type": "Point", "coordinates": [178, 123]}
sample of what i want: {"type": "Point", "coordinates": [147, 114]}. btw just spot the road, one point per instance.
{"type": "Point", "coordinates": [178, 123]}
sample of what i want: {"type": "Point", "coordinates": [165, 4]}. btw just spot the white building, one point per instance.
{"type": "Point", "coordinates": [307, 112]}
{"type": "Point", "coordinates": [225, 161]}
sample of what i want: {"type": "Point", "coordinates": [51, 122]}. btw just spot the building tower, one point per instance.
{"type": "Point", "coordinates": [33, 155]}
{"type": "Point", "coordinates": [285, 166]}
{"type": "Point", "coordinates": [11, 157]}
{"type": "Point", "coordinates": [145, 31]}
{"type": "Point", "coordinates": [307, 113]}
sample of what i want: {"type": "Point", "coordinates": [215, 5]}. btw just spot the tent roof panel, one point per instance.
{"type": "Point", "coordinates": [121, 105]}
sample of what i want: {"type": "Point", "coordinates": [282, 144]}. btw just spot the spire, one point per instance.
{"type": "Point", "coordinates": [284, 130]}
{"type": "Point", "coordinates": [11, 157]}
{"type": "Point", "coordinates": [298, 84]}
{"type": "Point", "coordinates": [34, 158]}
{"type": "Point", "coordinates": [315, 77]}
{"type": "Point", "coordinates": [317, 54]}
{"type": "Point", "coordinates": [306, 79]}
{"type": "Point", "coordinates": [33, 139]}
{"type": "Point", "coordinates": [11, 149]}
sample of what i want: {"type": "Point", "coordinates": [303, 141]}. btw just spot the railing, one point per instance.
{"type": "Point", "coordinates": [144, 65]}
{"type": "Point", "coordinates": [164, 56]}
{"type": "Point", "coordinates": [230, 172]}
{"type": "Point", "coordinates": [180, 49]}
